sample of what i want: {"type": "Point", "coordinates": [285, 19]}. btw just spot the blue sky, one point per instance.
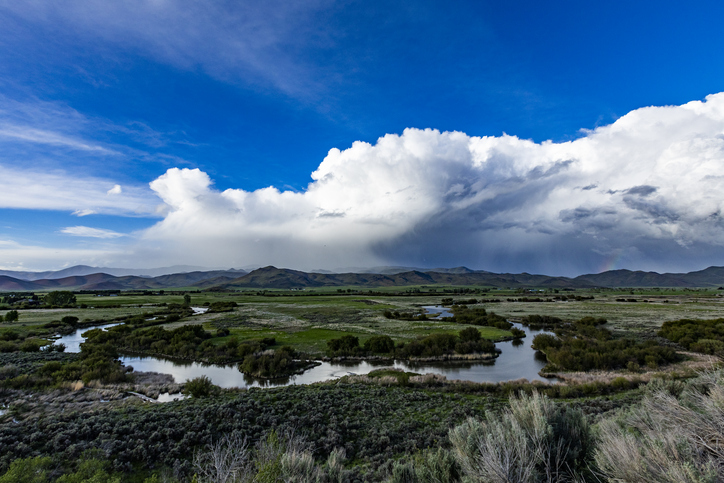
{"type": "Point", "coordinates": [212, 103]}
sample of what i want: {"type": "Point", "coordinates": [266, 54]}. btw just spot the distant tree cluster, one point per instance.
{"type": "Point", "coordinates": [478, 316]}
{"type": "Point", "coordinates": [583, 346]}
{"type": "Point", "coordinates": [60, 298]}
{"type": "Point", "coordinates": [705, 336]}
{"type": "Point", "coordinates": [467, 341]}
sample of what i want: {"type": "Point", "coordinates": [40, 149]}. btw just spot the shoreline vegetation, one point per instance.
{"type": "Point", "coordinates": [72, 416]}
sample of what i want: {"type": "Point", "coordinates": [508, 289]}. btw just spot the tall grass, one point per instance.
{"type": "Point", "coordinates": [668, 437]}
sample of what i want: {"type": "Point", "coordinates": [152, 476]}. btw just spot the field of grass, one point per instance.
{"type": "Point", "coordinates": [306, 319]}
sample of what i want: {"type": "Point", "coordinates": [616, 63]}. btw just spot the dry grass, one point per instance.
{"type": "Point", "coordinates": [696, 364]}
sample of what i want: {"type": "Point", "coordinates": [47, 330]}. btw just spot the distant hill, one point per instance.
{"type": "Point", "coordinates": [82, 270]}
{"type": "Point", "coordinates": [282, 278]}
{"type": "Point", "coordinates": [396, 269]}
{"type": "Point", "coordinates": [104, 281]}
{"type": "Point", "coordinates": [279, 278]}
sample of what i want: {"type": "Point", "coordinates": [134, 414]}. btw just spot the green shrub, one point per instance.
{"type": "Point", "coordinates": [200, 387]}
{"type": "Point", "coordinates": [11, 316]}
{"type": "Point", "coordinates": [379, 344]}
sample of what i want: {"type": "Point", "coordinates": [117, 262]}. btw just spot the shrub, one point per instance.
{"type": "Point", "coordinates": [199, 387]}
{"type": "Point", "coordinates": [11, 316]}
{"type": "Point", "coordinates": [344, 346]}
{"type": "Point", "coordinates": [69, 320]}
{"type": "Point", "coordinates": [667, 438]}
{"type": "Point", "coordinates": [28, 470]}
{"type": "Point", "coordinates": [532, 440]}
{"type": "Point", "coordinates": [379, 344]}
{"type": "Point", "coordinates": [31, 345]}
{"type": "Point", "coordinates": [470, 334]}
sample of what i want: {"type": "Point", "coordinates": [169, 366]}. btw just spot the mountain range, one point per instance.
{"type": "Point", "coordinates": [281, 278]}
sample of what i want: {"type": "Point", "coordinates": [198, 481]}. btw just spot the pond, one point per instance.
{"type": "Point", "coordinates": [438, 311]}
{"type": "Point", "coordinates": [516, 361]}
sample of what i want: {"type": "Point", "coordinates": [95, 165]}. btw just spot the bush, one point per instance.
{"type": "Point", "coordinates": [470, 334]}
{"type": "Point", "coordinates": [11, 316]}
{"type": "Point", "coordinates": [199, 387]}
{"type": "Point", "coordinates": [69, 320]}
{"type": "Point", "coordinates": [532, 440]}
{"type": "Point", "coordinates": [346, 345]}
{"type": "Point", "coordinates": [667, 438]}
{"type": "Point", "coordinates": [379, 344]}
{"type": "Point", "coordinates": [28, 470]}
{"type": "Point", "coordinates": [31, 345]}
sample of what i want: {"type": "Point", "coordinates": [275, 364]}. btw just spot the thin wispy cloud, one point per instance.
{"type": "Point", "coordinates": [39, 136]}
{"type": "Point", "coordinates": [17, 256]}
{"type": "Point", "coordinates": [257, 43]}
{"type": "Point", "coordinates": [88, 232]}
{"type": "Point", "coordinates": [71, 192]}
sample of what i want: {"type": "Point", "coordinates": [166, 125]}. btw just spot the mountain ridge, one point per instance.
{"type": "Point", "coordinates": [271, 277]}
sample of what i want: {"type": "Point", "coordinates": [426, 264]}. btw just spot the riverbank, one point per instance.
{"type": "Point", "coordinates": [488, 356]}
{"type": "Point", "coordinates": [694, 365]}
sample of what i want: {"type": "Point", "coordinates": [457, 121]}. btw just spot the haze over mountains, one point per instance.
{"type": "Point", "coordinates": [78, 278]}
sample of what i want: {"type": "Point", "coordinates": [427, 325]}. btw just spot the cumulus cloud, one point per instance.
{"type": "Point", "coordinates": [116, 190]}
{"type": "Point", "coordinates": [645, 189]}
{"type": "Point", "coordinates": [88, 232]}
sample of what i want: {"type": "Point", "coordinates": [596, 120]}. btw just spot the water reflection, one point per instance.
{"type": "Point", "coordinates": [438, 311]}
{"type": "Point", "coordinates": [72, 341]}
{"type": "Point", "coordinates": [517, 360]}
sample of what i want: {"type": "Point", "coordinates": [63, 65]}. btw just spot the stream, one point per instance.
{"type": "Point", "coordinates": [516, 361]}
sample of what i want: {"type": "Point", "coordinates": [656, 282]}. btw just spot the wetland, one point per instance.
{"type": "Point", "coordinates": [386, 392]}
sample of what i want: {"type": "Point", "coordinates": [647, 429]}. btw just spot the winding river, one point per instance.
{"type": "Point", "coordinates": [516, 361]}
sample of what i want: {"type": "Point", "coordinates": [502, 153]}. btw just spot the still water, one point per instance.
{"type": "Point", "coordinates": [515, 362]}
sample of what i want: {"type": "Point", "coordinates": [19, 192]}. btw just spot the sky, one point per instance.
{"type": "Point", "coordinates": [547, 137]}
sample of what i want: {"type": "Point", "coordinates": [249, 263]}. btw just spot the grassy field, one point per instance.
{"type": "Point", "coordinates": [307, 319]}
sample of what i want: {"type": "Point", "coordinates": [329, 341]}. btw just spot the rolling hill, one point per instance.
{"type": "Point", "coordinates": [282, 278]}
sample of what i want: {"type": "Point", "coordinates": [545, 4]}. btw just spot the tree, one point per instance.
{"type": "Point", "coordinates": [60, 298]}
{"type": "Point", "coordinates": [187, 300]}
{"type": "Point", "coordinates": [11, 316]}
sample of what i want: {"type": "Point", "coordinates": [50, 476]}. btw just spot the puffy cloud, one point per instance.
{"type": "Point", "coordinates": [645, 189]}
{"type": "Point", "coordinates": [116, 190]}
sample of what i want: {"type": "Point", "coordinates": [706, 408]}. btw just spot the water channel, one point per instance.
{"type": "Point", "coordinates": [516, 361]}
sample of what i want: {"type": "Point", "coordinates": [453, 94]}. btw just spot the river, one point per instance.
{"type": "Point", "coordinates": [516, 361]}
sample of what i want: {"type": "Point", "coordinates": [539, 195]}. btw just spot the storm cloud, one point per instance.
{"type": "Point", "coordinates": [645, 190]}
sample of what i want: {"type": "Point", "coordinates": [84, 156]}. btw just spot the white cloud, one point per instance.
{"type": "Point", "coordinates": [78, 194]}
{"type": "Point", "coordinates": [88, 232]}
{"type": "Point", "coordinates": [39, 136]}
{"type": "Point", "coordinates": [646, 188]}
{"type": "Point", "coordinates": [116, 190]}
{"type": "Point", "coordinates": [255, 42]}
{"type": "Point", "coordinates": [16, 256]}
